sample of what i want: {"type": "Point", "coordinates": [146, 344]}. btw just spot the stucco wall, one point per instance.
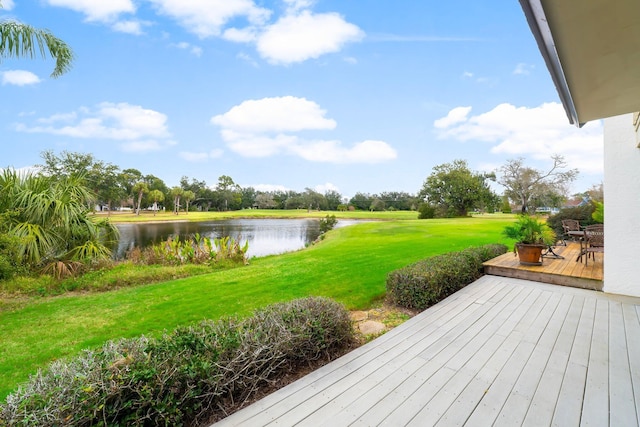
{"type": "Point", "coordinates": [622, 206]}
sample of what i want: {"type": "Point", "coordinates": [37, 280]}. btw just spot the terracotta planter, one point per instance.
{"type": "Point", "coordinates": [530, 254]}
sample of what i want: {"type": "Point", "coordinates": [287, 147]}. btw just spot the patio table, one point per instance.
{"type": "Point", "coordinates": [580, 235]}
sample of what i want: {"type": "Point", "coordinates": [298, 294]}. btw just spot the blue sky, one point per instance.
{"type": "Point", "coordinates": [349, 95]}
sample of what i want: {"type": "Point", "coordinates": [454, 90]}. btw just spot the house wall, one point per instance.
{"type": "Point", "coordinates": [622, 206]}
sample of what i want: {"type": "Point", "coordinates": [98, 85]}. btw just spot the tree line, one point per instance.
{"type": "Point", "coordinates": [452, 189]}
{"type": "Point", "coordinates": [116, 188]}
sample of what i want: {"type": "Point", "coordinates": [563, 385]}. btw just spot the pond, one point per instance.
{"type": "Point", "coordinates": [265, 236]}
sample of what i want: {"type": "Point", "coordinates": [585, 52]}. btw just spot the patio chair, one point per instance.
{"type": "Point", "coordinates": [593, 241]}
{"type": "Point", "coordinates": [569, 225]}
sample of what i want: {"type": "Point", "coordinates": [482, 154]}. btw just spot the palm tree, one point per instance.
{"type": "Point", "coordinates": [156, 196]}
{"type": "Point", "coordinates": [176, 193]}
{"type": "Point", "coordinates": [18, 40]}
{"type": "Point", "coordinates": [140, 188]}
{"type": "Point", "coordinates": [188, 196]}
{"type": "Point", "coordinates": [51, 222]}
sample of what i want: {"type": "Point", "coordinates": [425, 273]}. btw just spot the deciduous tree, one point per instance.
{"type": "Point", "coordinates": [333, 198]}
{"type": "Point", "coordinates": [523, 183]}
{"type": "Point", "coordinates": [454, 189]}
{"type": "Point", "coordinates": [229, 192]}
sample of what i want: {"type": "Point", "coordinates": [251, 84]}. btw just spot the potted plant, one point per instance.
{"type": "Point", "coordinates": [532, 237]}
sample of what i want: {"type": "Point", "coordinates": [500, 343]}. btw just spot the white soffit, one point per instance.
{"type": "Point", "coordinates": [592, 49]}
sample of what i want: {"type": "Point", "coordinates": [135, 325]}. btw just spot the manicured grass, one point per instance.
{"type": "Point", "coordinates": [350, 266]}
{"type": "Point", "coordinates": [145, 216]}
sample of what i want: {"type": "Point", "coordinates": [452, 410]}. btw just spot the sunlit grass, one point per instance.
{"type": "Point", "coordinates": [146, 216]}
{"type": "Point", "coordinates": [350, 266]}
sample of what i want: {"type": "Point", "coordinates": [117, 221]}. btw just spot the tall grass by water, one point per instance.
{"type": "Point", "coordinates": [350, 265]}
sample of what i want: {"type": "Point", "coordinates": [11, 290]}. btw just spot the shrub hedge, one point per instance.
{"type": "Point", "coordinates": [580, 213]}
{"type": "Point", "coordinates": [185, 376]}
{"type": "Point", "coordinates": [428, 281]}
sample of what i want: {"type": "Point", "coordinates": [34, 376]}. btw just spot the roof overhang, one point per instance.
{"type": "Point", "coordinates": [592, 50]}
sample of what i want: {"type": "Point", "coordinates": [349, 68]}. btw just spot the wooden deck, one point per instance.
{"type": "Point", "coordinates": [502, 351]}
{"type": "Point", "coordinates": [565, 272]}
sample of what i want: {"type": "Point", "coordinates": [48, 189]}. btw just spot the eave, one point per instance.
{"type": "Point", "coordinates": [592, 50]}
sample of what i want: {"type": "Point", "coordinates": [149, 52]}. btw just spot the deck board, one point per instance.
{"type": "Point", "coordinates": [564, 272]}
{"type": "Point", "coordinates": [543, 403]}
{"type": "Point", "coordinates": [501, 351]}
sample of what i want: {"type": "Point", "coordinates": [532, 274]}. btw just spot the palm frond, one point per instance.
{"type": "Point", "coordinates": [19, 40]}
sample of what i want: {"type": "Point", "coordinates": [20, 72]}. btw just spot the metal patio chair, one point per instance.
{"type": "Point", "coordinates": [570, 226]}
{"type": "Point", "coordinates": [593, 241]}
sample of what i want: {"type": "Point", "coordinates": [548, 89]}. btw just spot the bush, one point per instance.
{"type": "Point", "coordinates": [506, 206]}
{"type": "Point", "coordinates": [10, 260]}
{"type": "Point", "coordinates": [194, 250]}
{"type": "Point", "coordinates": [426, 211]}
{"type": "Point", "coordinates": [327, 223]}
{"type": "Point", "coordinates": [427, 282]}
{"type": "Point", "coordinates": [598, 213]}
{"type": "Point", "coordinates": [185, 376]}
{"type": "Point", "coordinates": [580, 213]}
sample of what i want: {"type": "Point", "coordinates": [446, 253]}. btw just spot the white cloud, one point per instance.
{"type": "Point", "coordinates": [279, 114]}
{"type": "Point", "coordinates": [523, 69]}
{"type": "Point", "coordinates": [194, 50]}
{"type": "Point", "coordinates": [8, 4]}
{"type": "Point", "coordinates": [206, 18]}
{"type": "Point", "coordinates": [296, 5]}
{"type": "Point", "coordinates": [468, 75]}
{"type": "Point", "coordinates": [251, 145]}
{"type": "Point", "coordinates": [266, 127]}
{"type": "Point", "coordinates": [323, 188]}
{"type": "Point", "coordinates": [298, 34]}
{"type": "Point", "coordinates": [333, 152]}
{"type": "Point", "coordinates": [201, 156]}
{"type": "Point", "coordinates": [103, 11]}
{"type": "Point", "coordinates": [141, 129]}
{"type": "Point", "coordinates": [60, 117]}
{"type": "Point", "coordinates": [245, 35]}
{"type": "Point", "coordinates": [296, 38]}
{"type": "Point", "coordinates": [457, 115]}
{"type": "Point", "coordinates": [269, 187]}
{"type": "Point", "coordinates": [130, 27]}
{"type": "Point", "coordinates": [538, 132]}
{"type": "Point", "coordinates": [19, 78]}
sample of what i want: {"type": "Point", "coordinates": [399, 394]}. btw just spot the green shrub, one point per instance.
{"type": "Point", "coordinates": [426, 211]}
{"type": "Point", "coordinates": [427, 282]}
{"type": "Point", "coordinates": [194, 250]}
{"type": "Point", "coordinates": [581, 213]}
{"type": "Point", "coordinates": [506, 206]}
{"type": "Point", "coordinates": [598, 213]}
{"type": "Point", "coordinates": [185, 376]}
{"type": "Point", "coordinates": [10, 261]}
{"type": "Point", "coordinates": [327, 223]}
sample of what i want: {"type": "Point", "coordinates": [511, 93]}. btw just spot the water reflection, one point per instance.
{"type": "Point", "coordinates": [265, 236]}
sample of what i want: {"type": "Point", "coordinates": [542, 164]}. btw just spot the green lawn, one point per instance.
{"type": "Point", "coordinates": [350, 266]}
{"type": "Point", "coordinates": [257, 213]}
